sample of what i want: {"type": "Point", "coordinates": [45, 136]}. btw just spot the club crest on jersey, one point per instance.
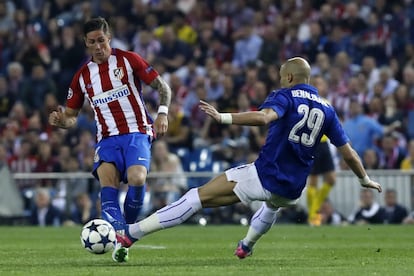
{"type": "Point", "coordinates": [119, 73]}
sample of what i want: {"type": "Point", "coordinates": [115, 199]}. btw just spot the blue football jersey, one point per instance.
{"type": "Point", "coordinates": [286, 158]}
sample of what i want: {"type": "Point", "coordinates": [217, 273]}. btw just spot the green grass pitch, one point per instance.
{"type": "Point", "coordinates": [197, 250]}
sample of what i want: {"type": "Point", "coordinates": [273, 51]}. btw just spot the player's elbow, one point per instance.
{"type": "Point", "coordinates": [266, 116]}
{"type": "Point", "coordinates": [261, 121]}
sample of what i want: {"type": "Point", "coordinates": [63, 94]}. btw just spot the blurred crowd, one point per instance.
{"type": "Point", "coordinates": [224, 52]}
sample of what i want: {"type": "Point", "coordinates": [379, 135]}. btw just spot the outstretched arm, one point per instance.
{"type": "Point", "coordinates": [248, 118]}
{"type": "Point", "coordinates": [352, 160]}
{"type": "Point", "coordinates": [63, 118]}
{"type": "Point", "coordinates": [164, 89]}
{"type": "Point", "coordinates": [161, 122]}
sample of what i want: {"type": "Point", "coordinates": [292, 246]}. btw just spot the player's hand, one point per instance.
{"type": "Point", "coordinates": [57, 118]}
{"type": "Point", "coordinates": [161, 124]}
{"type": "Point", "coordinates": [373, 185]}
{"type": "Point", "coordinates": [210, 110]}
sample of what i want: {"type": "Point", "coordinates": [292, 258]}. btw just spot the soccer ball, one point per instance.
{"type": "Point", "coordinates": [98, 236]}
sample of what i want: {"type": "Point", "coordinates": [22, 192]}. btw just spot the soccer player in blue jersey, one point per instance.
{"type": "Point", "coordinates": [297, 119]}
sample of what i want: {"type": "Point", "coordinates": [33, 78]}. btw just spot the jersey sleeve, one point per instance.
{"type": "Point", "coordinates": [336, 133]}
{"type": "Point", "coordinates": [141, 68]}
{"type": "Point", "coordinates": [277, 101]}
{"type": "Point", "coordinates": [376, 128]}
{"type": "Point", "coordinates": [75, 96]}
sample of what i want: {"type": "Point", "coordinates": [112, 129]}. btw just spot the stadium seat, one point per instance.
{"type": "Point", "coordinates": [201, 160]}
{"type": "Point", "coordinates": [184, 155]}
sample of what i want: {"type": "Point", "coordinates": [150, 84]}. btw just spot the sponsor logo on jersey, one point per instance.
{"type": "Point", "coordinates": [111, 95]}
{"type": "Point", "coordinates": [119, 73]}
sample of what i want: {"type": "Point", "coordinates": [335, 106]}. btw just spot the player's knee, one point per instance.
{"type": "Point", "coordinates": [136, 177]}
{"type": "Point", "coordinates": [205, 196]}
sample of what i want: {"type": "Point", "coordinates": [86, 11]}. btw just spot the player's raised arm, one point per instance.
{"type": "Point", "coordinates": [63, 117]}
{"type": "Point", "coordinates": [354, 162]}
{"type": "Point", "coordinates": [248, 118]}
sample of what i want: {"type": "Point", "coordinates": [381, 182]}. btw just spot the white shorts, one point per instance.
{"type": "Point", "coordinates": [249, 187]}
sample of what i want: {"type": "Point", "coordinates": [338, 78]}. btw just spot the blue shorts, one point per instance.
{"type": "Point", "coordinates": [123, 151]}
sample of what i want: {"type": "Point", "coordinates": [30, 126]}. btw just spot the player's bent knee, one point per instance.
{"type": "Point", "coordinates": [136, 177]}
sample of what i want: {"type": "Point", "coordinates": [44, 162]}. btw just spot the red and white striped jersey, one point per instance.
{"type": "Point", "coordinates": [114, 92]}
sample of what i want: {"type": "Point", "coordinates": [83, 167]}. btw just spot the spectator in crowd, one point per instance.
{"type": "Point", "coordinates": [408, 162]}
{"type": "Point", "coordinates": [403, 101]}
{"type": "Point", "coordinates": [67, 189]}
{"type": "Point", "coordinates": [370, 159]}
{"type": "Point", "coordinates": [330, 216]}
{"type": "Point", "coordinates": [35, 51]}
{"type": "Point", "coordinates": [68, 57]}
{"type": "Point", "coordinates": [370, 71]}
{"type": "Point", "coordinates": [36, 87]}
{"type": "Point", "coordinates": [388, 81]}
{"type": "Point", "coordinates": [165, 190]}
{"type": "Point", "coordinates": [322, 65]}
{"type": "Point", "coordinates": [352, 21]}
{"type": "Point", "coordinates": [214, 85]}
{"type": "Point", "coordinates": [247, 47]}
{"type": "Point", "coordinates": [174, 52]}
{"type": "Point", "coordinates": [394, 213]}
{"type": "Point", "coordinates": [408, 80]}
{"type": "Point", "coordinates": [46, 162]}
{"type": "Point", "coordinates": [15, 79]}
{"type": "Point", "coordinates": [43, 212]}
{"type": "Point", "coordinates": [369, 211]}
{"type": "Point", "coordinates": [316, 42]}
{"type": "Point", "coordinates": [83, 210]}
{"type": "Point", "coordinates": [375, 38]}
{"type": "Point", "coordinates": [7, 99]}
{"type": "Point", "coordinates": [391, 114]}
{"type": "Point", "coordinates": [25, 162]}
{"type": "Point", "coordinates": [327, 19]}
{"type": "Point", "coordinates": [362, 130]}
{"type": "Point", "coordinates": [179, 132]}
{"type": "Point", "coordinates": [146, 45]}
{"type": "Point", "coordinates": [270, 47]}
{"type": "Point", "coordinates": [391, 154]}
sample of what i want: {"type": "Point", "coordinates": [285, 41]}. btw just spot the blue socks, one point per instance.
{"type": "Point", "coordinates": [111, 210]}
{"type": "Point", "coordinates": [133, 203]}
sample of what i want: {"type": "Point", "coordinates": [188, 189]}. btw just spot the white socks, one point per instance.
{"type": "Point", "coordinates": [168, 216]}
{"type": "Point", "coordinates": [260, 223]}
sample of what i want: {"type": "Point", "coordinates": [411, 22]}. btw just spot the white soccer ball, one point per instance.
{"type": "Point", "coordinates": [98, 236]}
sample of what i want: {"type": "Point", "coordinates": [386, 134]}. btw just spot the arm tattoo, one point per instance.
{"type": "Point", "coordinates": [164, 89]}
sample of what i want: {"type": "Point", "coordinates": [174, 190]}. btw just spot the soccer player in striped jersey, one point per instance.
{"type": "Point", "coordinates": [111, 81]}
{"type": "Point", "coordinates": [297, 118]}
